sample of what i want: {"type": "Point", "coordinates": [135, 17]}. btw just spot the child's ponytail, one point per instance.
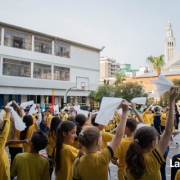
{"type": "Point", "coordinates": [143, 139]}
{"type": "Point", "coordinates": [135, 160]}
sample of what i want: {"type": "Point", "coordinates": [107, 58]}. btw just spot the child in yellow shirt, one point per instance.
{"type": "Point", "coordinates": [32, 165]}
{"type": "Point", "coordinates": [65, 154]}
{"type": "Point", "coordinates": [106, 136]}
{"type": "Point", "coordinates": [144, 156]}
{"type": "Point", "coordinates": [80, 121]}
{"type": "Point", "coordinates": [120, 154]}
{"type": "Point", "coordinates": [52, 141]}
{"type": "Point", "coordinates": [94, 165]}
{"type": "Point", "coordinates": [163, 119]}
{"type": "Point", "coordinates": [27, 133]}
{"type": "Point", "coordinates": [4, 131]}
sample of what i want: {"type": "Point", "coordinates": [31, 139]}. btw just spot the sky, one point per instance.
{"type": "Point", "coordinates": [130, 30]}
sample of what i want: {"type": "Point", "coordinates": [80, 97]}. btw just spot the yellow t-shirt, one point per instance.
{"type": "Point", "coordinates": [14, 134]}
{"type": "Point", "coordinates": [109, 127]}
{"type": "Point", "coordinates": [153, 162]}
{"type": "Point", "coordinates": [52, 142]}
{"type": "Point", "coordinates": [117, 119]}
{"type": "Point", "coordinates": [75, 144]}
{"type": "Point", "coordinates": [148, 118]}
{"type": "Point", "coordinates": [121, 155]}
{"type": "Point", "coordinates": [94, 166]}
{"type": "Point", "coordinates": [30, 166]}
{"type": "Point", "coordinates": [106, 137]}
{"type": "Point", "coordinates": [30, 131]}
{"type": "Point", "coordinates": [4, 161]}
{"type": "Point", "coordinates": [163, 119]}
{"type": "Point", "coordinates": [65, 116]}
{"type": "Point", "coordinates": [177, 175]}
{"type": "Point", "coordinates": [68, 156]}
{"type": "Point", "coordinates": [49, 118]}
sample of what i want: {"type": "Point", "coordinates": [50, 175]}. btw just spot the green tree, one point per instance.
{"type": "Point", "coordinates": [156, 62]}
{"type": "Point", "coordinates": [119, 78]}
{"type": "Point", "coordinates": [129, 91]}
{"type": "Point", "coordinates": [165, 96]}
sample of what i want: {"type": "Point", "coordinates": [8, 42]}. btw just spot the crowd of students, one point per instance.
{"type": "Point", "coordinates": [79, 148]}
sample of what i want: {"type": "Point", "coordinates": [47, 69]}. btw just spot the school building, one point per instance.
{"type": "Point", "coordinates": [40, 67]}
{"type": "Point", "coordinates": [146, 78]}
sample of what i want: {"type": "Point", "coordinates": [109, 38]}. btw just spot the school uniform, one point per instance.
{"type": "Point", "coordinates": [51, 146]}
{"type": "Point", "coordinates": [4, 161]}
{"type": "Point", "coordinates": [163, 121]}
{"type": "Point", "coordinates": [106, 137]}
{"type": "Point", "coordinates": [68, 155]}
{"type": "Point", "coordinates": [30, 166]}
{"type": "Point", "coordinates": [94, 165]}
{"type": "Point", "coordinates": [30, 131]}
{"type": "Point", "coordinates": [177, 175]}
{"type": "Point", "coordinates": [121, 155]}
{"type": "Point", "coordinates": [153, 162]}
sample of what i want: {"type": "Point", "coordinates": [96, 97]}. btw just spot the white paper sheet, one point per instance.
{"type": "Point", "coordinates": [80, 111]}
{"type": "Point", "coordinates": [107, 109]}
{"type": "Point", "coordinates": [1, 114]}
{"type": "Point", "coordinates": [142, 125]}
{"type": "Point", "coordinates": [162, 84]}
{"type": "Point", "coordinates": [8, 104]}
{"type": "Point", "coordinates": [139, 100]}
{"type": "Point", "coordinates": [33, 110]}
{"type": "Point", "coordinates": [19, 124]}
{"type": "Point", "coordinates": [25, 104]}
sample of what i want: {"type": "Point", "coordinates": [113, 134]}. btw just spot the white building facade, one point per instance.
{"type": "Point", "coordinates": [37, 66]}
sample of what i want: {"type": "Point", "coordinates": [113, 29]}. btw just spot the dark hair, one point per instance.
{"type": "Point", "coordinates": [93, 121]}
{"type": "Point", "coordinates": [28, 120]}
{"type": "Point", "coordinates": [131, 124]}
{"type": "Point", "coordinates": [71, 118]}
{"type": "Point", "coordinates": [64, 126]}
{"type": "Point", "coordinates": [80, 119]}
{"type": "Point", "coordinates": [88, 135]}
{"type": "Point", "coordinates": [39, 140]}
{"type": "Point", "coordinates": [143, 138]}
{"type": "Point", "coordinates": [54, 124]}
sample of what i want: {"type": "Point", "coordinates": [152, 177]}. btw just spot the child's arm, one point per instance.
{"type": "Point", "coordinates": [11, 142]}
{"type": "Point", "coordinates": [14, 102]}
{"type": "Point", "coordinates": [4, 129]}
{"type": "Point", "coordinates": [164, 141]}
{"type": "Point", "coordinates": [140, 119]}
{"type": "Point", "coordinates": [121, 126]}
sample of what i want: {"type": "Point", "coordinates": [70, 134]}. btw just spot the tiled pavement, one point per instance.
{"type": "Point", "coordinates": [174, 149]}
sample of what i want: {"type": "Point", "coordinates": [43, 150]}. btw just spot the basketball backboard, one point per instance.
{"type": "Point", "coordinates": [82, 83]}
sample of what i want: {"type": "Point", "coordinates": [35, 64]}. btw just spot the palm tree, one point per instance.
{"type": "Point", "coordinates": [119, 78]}
{"type": "Point", "coordinates": [157, 62]}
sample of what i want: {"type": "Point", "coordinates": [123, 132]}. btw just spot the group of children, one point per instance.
{"type": "Point", "coordinates": [79, 148]}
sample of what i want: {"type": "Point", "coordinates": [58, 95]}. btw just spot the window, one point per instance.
{"type": "Point", "coordinates": [62, 49]}
{"type": "Point", "coordinates": [42, 71]}
{"type": "Point", "coordinates": [42, 45]}
{"type": "Point", "coordinates": [0, 35]}
{"type": "Point", "coordinates": [17, 39]}
{"type": "Point", "coordinates": [16, 68]}
{"type": "Point", "coordinates": [61, 73]}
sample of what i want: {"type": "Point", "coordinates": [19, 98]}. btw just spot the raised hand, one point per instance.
{"type": "Point", "coordinates": [174, 92]}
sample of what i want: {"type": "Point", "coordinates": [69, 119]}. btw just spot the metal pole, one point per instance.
{"type": "Point", "coordinates": [65, 95]}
